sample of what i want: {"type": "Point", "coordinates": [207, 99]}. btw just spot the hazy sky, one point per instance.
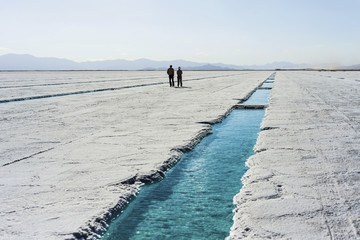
{"type": "Point", "coordinates": [237, 32]}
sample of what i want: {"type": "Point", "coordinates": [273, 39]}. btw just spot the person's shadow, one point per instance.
{"type": "Point", "coordinates": [183, 87]}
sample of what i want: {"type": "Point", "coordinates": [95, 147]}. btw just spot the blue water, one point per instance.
{"type": "Point", "coordinates": [267, 84]}
{"type": "Point", "coordinates": [195, 200]}
{"type": "Point", "coordinates": [260, 96]}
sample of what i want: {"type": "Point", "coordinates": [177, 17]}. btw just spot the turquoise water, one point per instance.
{"type": "Point", "coordinates": [195, 200]}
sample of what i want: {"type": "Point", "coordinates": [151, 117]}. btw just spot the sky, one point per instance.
{"type": "Point", "coordinates": [240, 32]}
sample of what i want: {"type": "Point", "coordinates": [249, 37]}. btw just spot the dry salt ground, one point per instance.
{"type": "Point", "coordinates": [304, 180]}
{"type": "Point", "coordinates": [68, 162]}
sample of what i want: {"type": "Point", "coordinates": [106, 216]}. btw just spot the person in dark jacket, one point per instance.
{"type": "Point", "coordinates": [179, 77]}
{"type": "Point", "coordinates": [171, 73]}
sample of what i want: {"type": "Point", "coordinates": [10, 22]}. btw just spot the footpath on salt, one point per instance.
{"type": "Point", "coordinates": [68, 163]}
{"type": "Point", "coordinates": [304, 180]}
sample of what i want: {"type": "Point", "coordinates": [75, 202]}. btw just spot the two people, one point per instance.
{"type": "Point", "coordinates": [171, 73]}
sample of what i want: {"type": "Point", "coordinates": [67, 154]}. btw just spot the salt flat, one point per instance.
{"type": "Point", "coordinates": [304, 180]}
{"type": "Point", "coordinates": [68, 162]}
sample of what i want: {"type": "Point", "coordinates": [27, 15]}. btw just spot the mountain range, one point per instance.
{"type": "Point", "coordinates": [29, 62]}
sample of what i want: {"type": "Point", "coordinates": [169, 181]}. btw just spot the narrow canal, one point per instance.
{"type": "Point", "coordinates": [195, 200]}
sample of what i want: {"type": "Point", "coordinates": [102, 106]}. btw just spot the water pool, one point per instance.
{"type": "Point", "coordinates": [267, 84]}
{"type": "Point", "coordinates": [260, 96]}
{"type": "Point", "coordinates": [195, 200]}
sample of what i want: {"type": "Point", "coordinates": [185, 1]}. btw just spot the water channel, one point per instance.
{"type": "Point", "coordinates": [195, 200]}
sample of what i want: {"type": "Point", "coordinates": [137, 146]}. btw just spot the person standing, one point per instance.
{"type": "Point", "coordinates": [171, 73]}
{"type": "Point", "coordinates": [179, 77]}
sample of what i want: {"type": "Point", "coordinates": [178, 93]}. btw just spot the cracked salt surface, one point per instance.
{"type": "Point", "coordinates": [101, 146]}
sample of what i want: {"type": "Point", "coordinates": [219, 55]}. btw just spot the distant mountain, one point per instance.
{"type": "Point", "coordinates": [353, 67]}
{"type": "Point", "coordinates": [279, 65]}
{"type": "Point", "coordinates": [29, 62]}
{"type": "Point", "coordinates": [212, 67]}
